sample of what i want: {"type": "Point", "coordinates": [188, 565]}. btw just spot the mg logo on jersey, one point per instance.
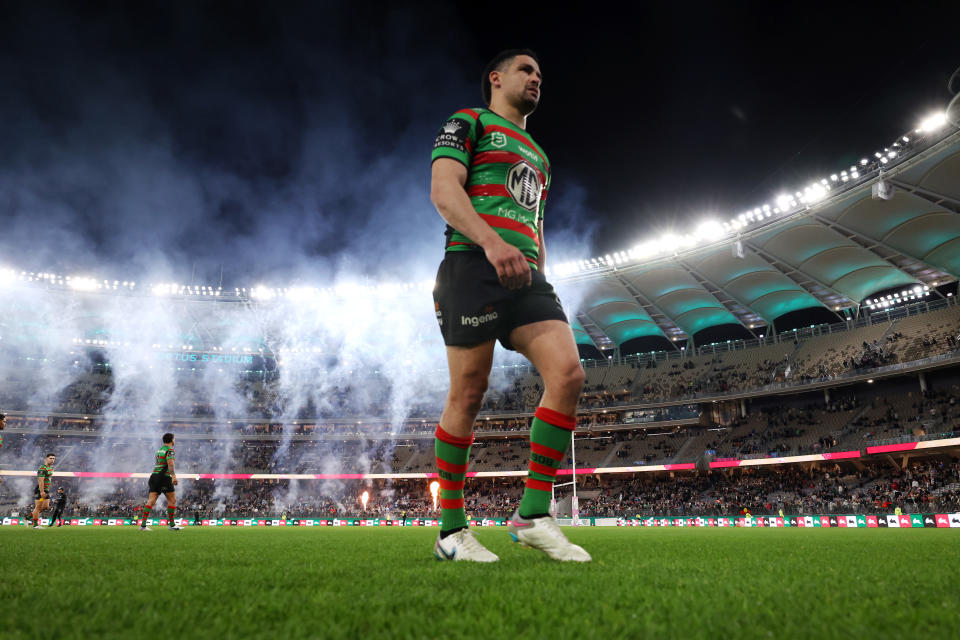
{"type": "Point", "coordinates": [523, 185]}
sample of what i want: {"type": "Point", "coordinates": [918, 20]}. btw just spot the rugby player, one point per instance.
{"type": "Point", "coordinates": [41, 492]}
{"type": "Point", "coordinates": [162, 480]}
{"type": "Point", "coordinates": [489, 182]}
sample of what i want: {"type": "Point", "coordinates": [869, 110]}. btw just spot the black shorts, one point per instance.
{"type": "Point", "coordinates": [473, 307]}
{"type": "Point", "coordinates": [161, 483]}
{"type": "Point", "coordinates": [37, 496]}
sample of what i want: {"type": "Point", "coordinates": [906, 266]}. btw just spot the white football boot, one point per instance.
{"type": "Point", "coordinates": [544, 534]}
{"type": "Point", "coordinates": [462, 545]}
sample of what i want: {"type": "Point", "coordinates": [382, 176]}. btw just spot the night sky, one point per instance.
{"type": "Point", "coordinates": [284, 142]}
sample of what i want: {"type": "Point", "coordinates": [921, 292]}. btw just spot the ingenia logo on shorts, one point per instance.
{"type": "Point", "coordinates": [476, 321]}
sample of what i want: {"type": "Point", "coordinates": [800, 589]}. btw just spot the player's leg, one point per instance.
{"type": "Point", "coordinates": [44, 506]}
{"type": "Point", "coordinates": [35, 514]}
{"type": "Point", "coordinates": [550, 346]}
{"type": "Point", "coordinates": [469, 374]}
{"type": "Point", "coordinates": [147, 508]}
{"type": "Point", "coordinates": [171, 510]}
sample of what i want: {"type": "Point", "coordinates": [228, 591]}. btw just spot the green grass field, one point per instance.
{"type": "Point", "coordinates": [331, 583]}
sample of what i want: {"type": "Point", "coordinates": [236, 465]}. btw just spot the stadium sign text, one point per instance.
{"type": "Point", "coordinates": [206, 358]}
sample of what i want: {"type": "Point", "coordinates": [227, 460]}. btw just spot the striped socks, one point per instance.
{"type": "Point", "coordinates": [550, 435]}
{"type": "Point", "coordinates": [146, 514]}
{"type": "Point", "coordinates": [452, 455]}
{"type": "Point", "coordinates": [170, 514]}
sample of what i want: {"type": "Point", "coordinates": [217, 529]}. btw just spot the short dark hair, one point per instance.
{"type": "Point", "coordinates": [496, 64]}
{"type": "Point", "coordinates": [50, 454]}
{"type": "Point", "coordinates": [167, 438]}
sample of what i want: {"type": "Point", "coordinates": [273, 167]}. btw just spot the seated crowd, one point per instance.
{"type": "Point", "coordinates": [924, 486]}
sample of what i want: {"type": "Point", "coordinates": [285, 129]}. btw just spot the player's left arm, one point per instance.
{"type": "Point", "coordinates": [170, 470]}
{"type": "Point", "coordinates": [542, 254]}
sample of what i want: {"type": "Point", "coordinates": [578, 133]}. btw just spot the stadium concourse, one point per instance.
{"type": "Point", "coordinates": [801, 356]}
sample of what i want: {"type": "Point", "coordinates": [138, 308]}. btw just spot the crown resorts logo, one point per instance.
{"type": "Point", "coordinates": [452, 127]}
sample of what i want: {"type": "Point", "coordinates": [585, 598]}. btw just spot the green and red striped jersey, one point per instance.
{"type": "Point", "coordinates": [45, 472]}
{"type": "Point", "coordinates": [508, 177]}
{"type": "Point", "coordinates": [164, 456]}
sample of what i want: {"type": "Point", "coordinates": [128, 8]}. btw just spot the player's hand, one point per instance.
{"type": "Point", "coordinates": [174, 478]}
{"type": "Point", "coordinates": [512, 267]}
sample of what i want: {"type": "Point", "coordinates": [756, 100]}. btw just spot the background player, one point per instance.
{"type": "Point", "coordinates": [489, 181]}
{"type": "Point", "coordinates": [41, 493]}
{"type": "Point", "coordinates": [162, 480]}
{"type": "Point", "coordinates": [59, 504]}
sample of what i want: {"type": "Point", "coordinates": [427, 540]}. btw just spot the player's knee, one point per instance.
{"type": "Point", "coordinates": [570, 381]}
{"type": "Point", "coordinates": [468, 393]}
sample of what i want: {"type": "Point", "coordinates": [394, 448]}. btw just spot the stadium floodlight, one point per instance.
{"type": "Point", "coordinates": [783, 201]}
{"type": "Point", "coordinates": [815, 193]}
{"type": "Point", "coordinates": [933, 122]}
{"type": "Point", "coordinates": [709, 231]}
{"type": "Point", "coordinates": [669, 242]}
{"type": "Point", "coordinates": [84, 284]}
{"type": "Point", "coordinates": [261, 293]}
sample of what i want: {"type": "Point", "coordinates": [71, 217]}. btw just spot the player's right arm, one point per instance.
{"type": "Point", "coordinates": [449, 196]}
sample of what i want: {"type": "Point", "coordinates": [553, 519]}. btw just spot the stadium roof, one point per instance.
{"type": "Point", "coordinates": [832, 251]}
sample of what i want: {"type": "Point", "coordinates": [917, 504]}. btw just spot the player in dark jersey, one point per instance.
{"type": "Point", "coordinates": [489, 182]}
{"type": "Point", "coordinates": [41, 492]}
{"type": "Point", "coordinates": [162, 480]}
{"type": "Point", "coordinates": [59, 504]}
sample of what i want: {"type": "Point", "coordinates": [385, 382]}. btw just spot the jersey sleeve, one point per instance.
{"type": "Point", "coordinates": [170, 455]}
{"type": "Point", "coordinates": [543, 198]}
{"type": "Point", "coordinates": [457, 138]}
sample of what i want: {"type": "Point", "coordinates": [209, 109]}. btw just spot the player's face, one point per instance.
{"type": "Point", "coordinates": [520, 83]}
{"type": "Point", "coordinates": [51, 460]}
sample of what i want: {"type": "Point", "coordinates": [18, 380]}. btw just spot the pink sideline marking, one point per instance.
{"type": "Point", "coordinates": [723, 464]}
{"type": "Point", "coordinates": [841, 455]}
{"type": "Point", "coordinates": [889, 448]}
